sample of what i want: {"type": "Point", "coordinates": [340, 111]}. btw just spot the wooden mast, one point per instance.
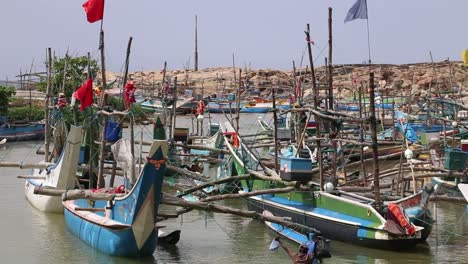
{"type": "Point", "coordinates": [375, 154]}
{"type": "Point", "coordinates": [330, 61]}
{"type": "Point", "coordinates": [47, 122]}
{"type": "Point", "coordinates": [131, 117]}
{"type": "Point", "coordinates": [101, 182]}
{"type": "Point", "coordinates": [174, 106]}
{"type": "Point", "coordinates": [275, 129]}
{"type": "Point", "coordinates": [316, 103]}
{"type": "Point", "coordinates": [196, 43]}
{"type": "Point", "coordinates": [238, 100]}
{"type": "Point", "coordinates": [334, 129]}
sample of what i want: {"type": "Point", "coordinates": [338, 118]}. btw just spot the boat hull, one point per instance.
{"type": "Point", "coordinates": [61, 175]}
{"type": "Point", "coordinates": [20, 133]}
{"type": "Point", "coordinates": [45, 203]}
{"type": "Point", "coordinates": [115, 242]}
{"type": "Point", "coordinates": [259, 110]}
{"type": "Point", "coordinates": [335, 230]}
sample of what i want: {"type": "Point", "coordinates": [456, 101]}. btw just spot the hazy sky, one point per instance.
{"type": "Point", "coordinates": [263, 33]}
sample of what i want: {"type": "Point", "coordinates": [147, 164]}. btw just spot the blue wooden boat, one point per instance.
{"type": "Point", "coordinates": [253, 107]}
{"type": "Point", "coordinates": [223, 107]}
{"type": "Point", "coordinates": [15, 132]}
{"type": "Point", "coordinates": [291, 234]}
{"type": "Point", "coordinates": [127, 225]}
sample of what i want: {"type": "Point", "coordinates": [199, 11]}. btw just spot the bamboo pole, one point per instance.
{"type": "Point", "coordinates": [174, 107]}
{"type": "Point", "coordinates": [102, 102]}
{"type": "Point", "coordinates": [362, 128]}
{"type": "Point", "coordinates": [238, 100]}
{"type": "Point", "coordinates": [196, 43]}
{"type": "Point", "coordinates": [248, 194]}
{"type": "Point", "coordinates": [330, 61]}
{"type": "Point", "coordinates": [90, 209]}
{"type": "Point", "coordinates": [31, 177]}
{"type": "Point", "coordinates": [234, 68]}
{"type": "Point", "coordinates": [64, 72]}
{"type": "Point", "coordinates": [316, 105]}
{"type": "Point", "coordinates": [187, 173]}
{"type": "Point", "coordinates": [275, 130]}
{"type": "Point", "coordinates": [373, 125]}
{"type": "Point", "coordinates": [77, 194]}
{"type": "Point", "coordinates": [212, 183]}
{"type": "Point", "coordinates": [47, 103]}
{"type": "Point", "coordinates": [199, 147]}
{"type": "Point", "coordinates": [212, 207]}
{"type": "Point", "coordinates": [23, 165]}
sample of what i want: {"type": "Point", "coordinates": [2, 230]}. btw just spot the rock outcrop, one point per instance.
{"type": "Point", "coordinates": [396, 80]}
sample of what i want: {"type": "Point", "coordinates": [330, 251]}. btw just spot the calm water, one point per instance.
{"type": "Point", "coordinates": [30, 236]}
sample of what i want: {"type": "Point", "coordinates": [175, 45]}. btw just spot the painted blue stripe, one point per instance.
{"type": "Point", "coordinates": [413, 211]}
{"type": "Point", "coordinates": [320, 211]}
{"type": "Point", "coordinates": [362, 232]}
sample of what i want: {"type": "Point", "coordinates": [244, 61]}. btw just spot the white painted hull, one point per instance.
{"type": "Point", "coordinates": [45, 203]}
{"type": "Point", "coordinates": [59, 176]}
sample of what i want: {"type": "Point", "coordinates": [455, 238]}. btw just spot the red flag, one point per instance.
{"type": "Point", "coordinates": [85, 94]}
{"type": "Point", "coordinates": [94, 10]}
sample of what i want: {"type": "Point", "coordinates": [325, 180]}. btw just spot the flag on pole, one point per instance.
{"type": "Point", "coordinates": [358, 10]}
{"type": "Point", "coordinates": [94, 10]}
{"type": "Point", "coordinates": [85, 94]}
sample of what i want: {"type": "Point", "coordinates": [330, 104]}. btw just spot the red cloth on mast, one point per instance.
{"type": "Point", "coordinates": [94, 10]}
{"type": "Point", "coordinates": [129, 94]}
{"type": "Point", "coordinates": [85, 94]}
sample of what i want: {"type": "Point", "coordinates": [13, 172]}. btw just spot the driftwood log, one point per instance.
{"type": "Point", "coordinates": [76, 194]}
{"type": "Point", "coordinates": [23, 165]}
{"type": "Point", "coordinates": [212, 183]}
{"type": "Point", "coordinates": [187, 173]}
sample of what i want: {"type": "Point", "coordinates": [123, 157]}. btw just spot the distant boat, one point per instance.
{"type": "Point", "coordinates": [19, 132]}
{"type": "Point", "coordinates": [183, 105]}
{"type": "Point", "coordinates": [257, 107]}
{"type": "Point", "coordinates": [223, 107]}
{"type": "Point", "coordinates": [125, 226]}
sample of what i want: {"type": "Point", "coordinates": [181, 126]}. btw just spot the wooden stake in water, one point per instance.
{"type": "Point", "coordinates": [375, 154]}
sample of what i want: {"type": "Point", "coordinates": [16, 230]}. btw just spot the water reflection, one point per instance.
{"type": "Point", "coordinates": [30, 236]}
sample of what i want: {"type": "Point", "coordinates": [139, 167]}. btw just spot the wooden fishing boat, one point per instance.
{"type": "Point", "coordinates": [19, 132]}
{"type": "Point", "coordinates": [291, 234]}
{"type": "Point", "coordinates": [338, 215]}
{"type": "Point", "coordinates": [257, 108]}
{"type": "Point", "coordinates": [59, 176]}
{"type": "Point", "coordinates": [223, 107]}
{"type": "Point", "coordinates": [183, 105]}
{"type": "Point", "coordinates": [344, 216]}
{"type": "Point", "coordinates": [126, 225]}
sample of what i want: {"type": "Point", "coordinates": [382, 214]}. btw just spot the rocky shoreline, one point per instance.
{"type": "Point", "coordinates": [399, 80]}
